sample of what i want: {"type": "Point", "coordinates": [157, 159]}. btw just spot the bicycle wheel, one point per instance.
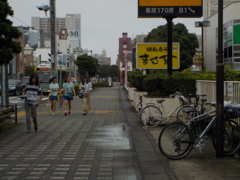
{"type": "Point", "coordinates": [231, 137]}
{"type": "Point", "coordinates": [151, 116]}
{"type": "Point", "coordinates": [182, 116]}
{"type": "Point", "coordinates": [175, 141]}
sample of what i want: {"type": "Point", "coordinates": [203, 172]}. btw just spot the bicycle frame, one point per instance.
{"type": "Point", "coordinates": [167, 114]}
{"type": "Point", "coordinates": [200, 118]}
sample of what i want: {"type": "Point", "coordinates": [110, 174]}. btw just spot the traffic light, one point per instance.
{"type": "Point", "coordinates": [39, 59]}
{"type": "Point", "coordinates": [32, 38]}
{"type": "Point", "coordinates": [49, 59]}
{"type": "Point", "coordinates": [67, 51]}
{"type": "Point", "coordinates": [60, 58]}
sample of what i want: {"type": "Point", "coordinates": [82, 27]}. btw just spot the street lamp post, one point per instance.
{"type": "Point", "coordinates": [202, 24]}
{"type": "Point", "coordinates": [53, 36]}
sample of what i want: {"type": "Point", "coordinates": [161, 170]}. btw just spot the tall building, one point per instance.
{"type": "Point", "coordinates": [102, 58]}
{"type": "Point", "coordinates": [72, 22]}
{"type": "Point", "coordinates": [231, 38]}
{"type": "Point", "coordinates": [211, 7]}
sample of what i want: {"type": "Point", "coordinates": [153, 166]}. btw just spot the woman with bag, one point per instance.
{"type": "Point", "coordinates": [53, 95]}
{"type": "Point", "coordinates": [69, 92]}
{"type": "Point", "coordinates": [32, 101]}
{"type": "Point", "coordinates": [85, 88]}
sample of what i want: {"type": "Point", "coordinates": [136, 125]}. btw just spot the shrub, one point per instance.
{"type": "Point", "coordinates": [76, 87]}
{"type": "Point", "coordinates": [100, 84]}
{"type": "Point", "coordinates": [138, 81]}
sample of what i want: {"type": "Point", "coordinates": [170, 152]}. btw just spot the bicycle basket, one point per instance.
{"type": "Point", "coordinates": [232, 111]}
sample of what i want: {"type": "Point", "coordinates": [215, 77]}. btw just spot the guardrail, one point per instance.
{"type": "Point", "coordinates": [231, 91]}
{"type": "Point", "coordinates": [8, 116]}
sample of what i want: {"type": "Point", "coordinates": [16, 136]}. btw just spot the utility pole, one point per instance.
{"type": "Point", "coordinates": [220, 87]}
{"type": "Point", "coordinates": [53, 36]}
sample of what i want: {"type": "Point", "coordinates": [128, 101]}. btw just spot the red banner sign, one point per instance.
{"type": "Point", "coordinates": [124, 48]}
{"type": "Point", "coordinates": [63, 34]}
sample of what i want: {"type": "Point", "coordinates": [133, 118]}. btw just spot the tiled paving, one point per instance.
{"type": "Point", "coordinates": [108, 143]}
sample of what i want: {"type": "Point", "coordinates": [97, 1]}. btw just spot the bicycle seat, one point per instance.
{"type": "Point", "coordinates": [189, 110]}
{"type": "Point", "coordinates": [160, 101]}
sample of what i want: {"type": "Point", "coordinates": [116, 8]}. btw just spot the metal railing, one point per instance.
{"type": "Point", "coordinates": [231, 91]}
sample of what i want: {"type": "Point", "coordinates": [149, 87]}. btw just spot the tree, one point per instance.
{"type": "Point", "coordinates": [8, 45]}
{"type": "Point", "coordinates": [7, 35]}
{"type": "Point", "coordinates": [114, 71]}
{"type": "Point", "coordinates": [188, 41]}
{"type": "Point", "coordinates": [103, 71]}
{"type": "Point", "coordinates": [29, 70]}
{"type": "Point", "coordinates": [88, 64]}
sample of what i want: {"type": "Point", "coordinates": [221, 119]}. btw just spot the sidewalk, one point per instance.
{"type": "Point", "coordinates": [108, 143]}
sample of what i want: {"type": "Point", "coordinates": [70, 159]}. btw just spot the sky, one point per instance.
{"type": "Point", "coordinates": [102, 23]}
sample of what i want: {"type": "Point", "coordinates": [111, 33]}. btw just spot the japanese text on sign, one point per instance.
{"type": "Point", "coordinates": [175, 8]}
{"type": "Point", "coordinates": [154, 56]}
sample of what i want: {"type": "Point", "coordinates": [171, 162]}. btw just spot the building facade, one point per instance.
{"type": "Point", "coordinates": [231, 38]}
{"type": "Point", "coordinates": [102, 58]}
{"type": "Point", "coordinates": [72, 22]}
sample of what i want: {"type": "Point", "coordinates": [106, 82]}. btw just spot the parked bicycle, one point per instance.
{"type": "Point", "coordinates": [177, 139]}
{"type": "Point", "coordinates": [151, 115]}
{"type": "Point", "coordinates": [199, 104]}
{"type": "Point", "coordinates": [139, 106]}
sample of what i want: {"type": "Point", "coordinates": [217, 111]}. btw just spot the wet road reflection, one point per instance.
{"type": "Point", "coordinates": [112, 137]}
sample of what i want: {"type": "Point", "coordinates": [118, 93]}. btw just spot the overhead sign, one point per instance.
{"type": "Point", "coordinates": [154, 56]}
{"type": "Point", "coordinates": [172, 8]}
{"type": "Point", "coordinates": [124, 47]}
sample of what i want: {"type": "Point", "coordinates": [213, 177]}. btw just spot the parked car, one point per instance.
{"type": "Point", "coordinates": [15, 87]}
{"type": "Point", "coordinates": [25, 81]}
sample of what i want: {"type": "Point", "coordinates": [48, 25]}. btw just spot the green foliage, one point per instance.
{"type": "Point", "coordinates": [8, 46]}
{"type": "Point", "coordinates": [138, 81]}
{"type": "Point", "coordinates": [114, 71]}
{"type": "Point", "coordinates": [100, 84]}
{"type": "Point", "coordinates": [103, 71]}
{"type": "Point", "coordinates": [231, 75]}
{"type": "Point", "coordinates": [3, 113]}
{"type": "Point", "coordinates": [159, 83]}
{"type": "Point", "coordinates": [76, 87]}
{"type": "Point", "coordinates": [87, 63]}
{"type": "Point", "coordinates": [29, 70]}
{"type": "Point", "coordinates": [188, 41]}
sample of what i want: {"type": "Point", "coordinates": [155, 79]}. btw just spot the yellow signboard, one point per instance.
{"type": "Point", "coordinates": [154, 56]}
{"type": "Point", "coordinates": [170, 2]}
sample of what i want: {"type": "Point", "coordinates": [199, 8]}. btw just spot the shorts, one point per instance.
{"type": "Point", "coordinates": [67, 98]}
{"type": "Point", "coordinates": [52, 98]}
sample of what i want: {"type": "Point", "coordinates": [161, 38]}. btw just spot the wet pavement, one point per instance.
{"type": "Point", "coordinates": [108, 143]}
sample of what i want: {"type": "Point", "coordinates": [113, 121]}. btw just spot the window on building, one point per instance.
{"type": "Point", "coordinates": [236, 54]}
{"type": "Point", "coordinates": [237, 60]}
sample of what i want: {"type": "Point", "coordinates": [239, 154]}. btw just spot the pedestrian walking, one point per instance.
{"type": "Point", "coordinates": [69, 92]}
{"type": "Point", "coordinates": [32, 101]}
{"type": "Point", "coordinates": [53, 95]}
{"type": "Point", "coordinates": [85, 88]}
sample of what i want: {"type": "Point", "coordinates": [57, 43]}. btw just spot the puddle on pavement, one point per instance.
{"type": "Point", "coordinates": [114, 137]}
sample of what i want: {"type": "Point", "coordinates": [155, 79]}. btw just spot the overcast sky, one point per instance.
{"type": "Point", "coordinates": [103, 21]}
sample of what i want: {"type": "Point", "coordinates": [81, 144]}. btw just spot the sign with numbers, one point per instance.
{"type": "Point", "coordinates": [169, 8]}
{"type": "Point", "coordinates": [154, 55]}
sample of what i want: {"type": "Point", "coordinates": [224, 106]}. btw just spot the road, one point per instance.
{"type": "Point", "coordinates": [20, 102]}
